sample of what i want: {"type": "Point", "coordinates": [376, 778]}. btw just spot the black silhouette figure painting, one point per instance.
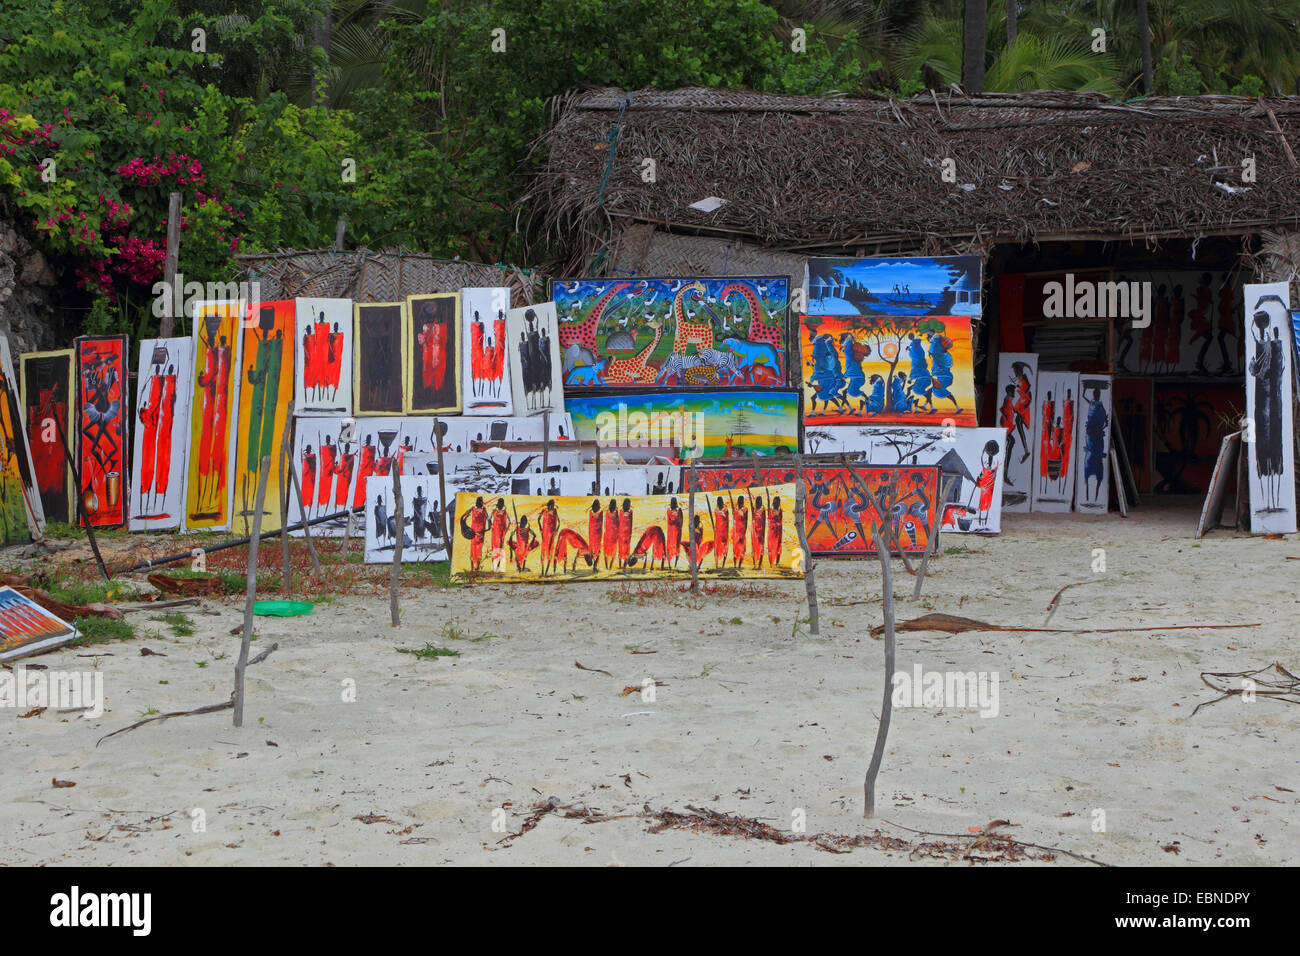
{"type": "Point", "coordinates": [1268, 409]}
{"type": "Point", "coordinates": [536, 368]}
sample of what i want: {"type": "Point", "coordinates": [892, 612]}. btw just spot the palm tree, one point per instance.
{"type": "Point", "coordinates": [1144, 38]}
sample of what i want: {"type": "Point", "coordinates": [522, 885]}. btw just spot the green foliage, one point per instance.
{"type": "Point", "coordinates": [1175, 77]}
{"type": "Point", "coordinates": [181, 625]}
{"type": "Point", "coordinates": [428, 652]}
{"type": "Point", "coordinates": [100, 630]}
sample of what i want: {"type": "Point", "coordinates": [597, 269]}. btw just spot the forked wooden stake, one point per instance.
{"type": "Point", "coordinates": [887, 607]}
{"type": "Point", "coordinates": [809, 581]}
{"type": "Point", "coordinates": [932, 544]}
{"type": "Point", "coordinates": [284, 500]}
{"type": "Point", "coordinates": [250, 593]}
{"type": "Point", "coordinates": [399, 509]}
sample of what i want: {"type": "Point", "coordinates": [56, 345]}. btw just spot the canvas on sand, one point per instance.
{"type": "Point", "coordinates": [1270, 437]}
{"type": "Point", "coordinates": [162, 431]}
{"type": "Point", "coordinates": [48, 401]}
{"type": "Point", "coordinates": [102, 432]}
{"type": "Point", "coordinates": [213, 409]}
{"type": "Point", "coordinates": [536, 539]}
{"type": "Point", "coordinates": [266, 389]}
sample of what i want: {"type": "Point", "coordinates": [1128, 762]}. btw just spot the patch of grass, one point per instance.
{"type": "Point", "coordinates": [100, 630]}
{"type": "Point", "coordinates": [428, 652]}
{"type": "Point", "coordinates": [963, 549]}
{"type": "Point", "coordinates": [450, 632]}
{"type": "Point", "coordinates": [93, 591]}
{"type": "Point", "coordinates": [439, 574]}
{"type": "Point", "coordinates": [735, 620]}
{"type": "Point", "coordinates": [232, 582]}
{"type": "Point", "coordinates": [181, 624]}
{"type": "Point", "coordinates": [149, 712]}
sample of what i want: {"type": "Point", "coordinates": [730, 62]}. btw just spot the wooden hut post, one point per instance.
{"type": "Point", "coordinates": [400, 512]}
{"type": "Point", "coordinates": [809, 581]}
{"type": "Point", "coordinates": [250, 592]}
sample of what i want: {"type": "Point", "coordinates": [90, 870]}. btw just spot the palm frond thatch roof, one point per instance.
{"type": "Point", "coordinates": [807, 173]}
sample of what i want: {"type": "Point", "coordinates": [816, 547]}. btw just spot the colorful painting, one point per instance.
{"type": "Point", "coordinates": [1270, 429]}
{"type": "Point", "coordinates": [541, 538]}
{"type": "Point", "coordinates": [432, 343]}
{"type": "Point", "coordinates": [213, 407]}
{"type": "Point", "coordinates": [971, 457]}
{"type": "Point", "coordinates": [266, 389]}
{"type": "Point", "coordinates": [837, 515]}
{"type": "Point", "coordinates": [712, 424]}
{"type": "Point", "coordinates": [536, 370]}
{"type": "Point", "coordinates": [1055, 454]}
{"type": "Point", "coordinates": [379, 358]}
{"type": "Point", "coordinates": [926, 286]}
{"type": "Point", "coordinates": [484, 338]}
{"type": "Point", "coordinates": [334, 455]}
{"type": "Point", "coordinates": [162, 433]}
{"type": "Point", "coordinates": [26, 627]}
{"type": "Point", "coordinates": [21, 515]}
{"type": "Point", "coordinates": [1017, 387]}
{"type": "Point", "coordinates": [675, 333]}
{"type": "Point", "coordinates": [102, 431]}
{"type": "Point", "coordinates": [880, 369]}
{"type": "Point", "coordinates": [48, 400]}
{"type": "Point", "coordinates": [1093, 491]}
{"type": "Point", "coordinates": [422, 534]}
{"type": "Point", "coordinates": [1196, 326]}
{"type": "Point", "coordinates": [322, 374]}
{"type": "Point", "coordinates": [1133, 416]}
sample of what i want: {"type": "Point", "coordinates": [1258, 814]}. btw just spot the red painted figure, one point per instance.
{"type": "Point", "coordinates": [550, 522]}
{"type": "Point", "coordinates": [166, 418]}
{"type": "Point", "coordinates": [673, 536]}
{"type": "Point", "coordinates": [478, 521]}
{"type": "Point", "coordinates": [756, 534]}
{"type": "Point", "coordinates": [568, 538]}
{"type": "Point", "coordinates": [523, 541]}
{"type": "Point", "coordinates": [308, 478]}
{"type": "Point", "coordinates": [1067, 433]}
{"type": "Point", "coordinates": [334, 361]}
{"type": "Point", "coordinates": [499, 346]}
{"type": "Point", "coordinates": [720, 525]}
{"type": "Point", "coordinates": [328, 451]}
{"type": "Point", "coordinates": [595, 523]}
{"type": "Point", "coordinates": [347, 464]}
{"type": "Point", "coordinates": [774, 518]}
{"type": "Point", "coordinates": [651, 540]}
{"type": "Point", "coordinates": [149, 415]}
{"type": "Point", "coordinates": [610, 542]}
{"type": "Point", "coordinates": [739, 527]}
{"type": "Point", "coordinates": [625, 532]}
{"type": "Point", "coordinates": [500, 520]}
{"type": "Point", "coordinates": [1049, 410]}
{"type": "Point", "coordinates": [369, 460]}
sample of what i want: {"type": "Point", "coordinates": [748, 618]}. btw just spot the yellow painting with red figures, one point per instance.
{"type": "Point", "coordinates": [887, 369]}
{"type": "Point", "coordinates": [539, 538]}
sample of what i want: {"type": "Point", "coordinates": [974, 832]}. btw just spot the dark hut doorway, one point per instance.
{"type": "Point", "coordinates": [1179, 383]}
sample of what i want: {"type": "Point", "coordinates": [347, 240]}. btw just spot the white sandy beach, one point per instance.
{"type": "Point", "coordinates": [754, 717]}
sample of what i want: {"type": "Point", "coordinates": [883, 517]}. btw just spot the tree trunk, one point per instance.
{"type": "Point", "coordinates": [974, 25]}
{"type": "Point", "coordinates": [1144, 37]}
{"type": "Point", "coordinates": [322, 30]}
{"type": "Point", "coordinates": [1013, 27]}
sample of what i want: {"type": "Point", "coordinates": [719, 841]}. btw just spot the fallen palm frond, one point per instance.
{"type": "Point", "coordinates": [1285, 689]}
{"type": "Point", "coordinates": [984, 845]}
{"type": "Point", "coordinates": [953, 624]}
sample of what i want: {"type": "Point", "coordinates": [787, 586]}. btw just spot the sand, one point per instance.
{"type": "Point", "coordinates": [754, 717]}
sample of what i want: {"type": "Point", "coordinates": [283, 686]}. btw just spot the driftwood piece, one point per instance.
{"type": "Point", "coordinates": [250, 594]}
{"type": "Point", "coordinates": [953, 624]}
{"type": "Point", "coordinates": [886, 707]}
{"type": "Point", "coordinates": [170, 584]}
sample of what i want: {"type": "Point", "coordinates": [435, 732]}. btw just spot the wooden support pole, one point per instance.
{"type": "Point", "coordinates": [809, 580]}
{"type": "Point", "coordinates": [932, 542]}
{"type": "Point", "coordinates": [882, 732]}
{"type": "Point", "coordinates": [546, 441]}
{"type": "Point", "coordinates": [339, 228]}
{"type": "Point", "coordinates": [400, 511]}
{"type": "Point", "coordinates": [598, 487]}
{"type": "Point", "coordinates": [284, 503]}
{"type": "Point", "coordinates": [170, 265]}
{"type": "Point", "coordinates": [690, 526]}
{"type": "Point", "coordinates": [445, 516]}
{"type": "Point", "coordinates": [250, 593]}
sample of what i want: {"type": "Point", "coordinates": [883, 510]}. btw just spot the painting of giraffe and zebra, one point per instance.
{"type": "Point", "coordinates": [674, 333]}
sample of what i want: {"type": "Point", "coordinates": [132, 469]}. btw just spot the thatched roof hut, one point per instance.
{"type": "Point", "coordinates": [805, 175]}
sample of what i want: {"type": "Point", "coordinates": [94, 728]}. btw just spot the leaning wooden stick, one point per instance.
{"type": "Point", "coordinates": [399, 511]}
{"type": "Point", "coordinates": [885, 525]}
{"type": "Point", "coordinates": [250, 593]}
{"type": "Point", "coordinates": [882, 732]}
{"type": "Point", "coordinates": [284, 501]}
{"type": "Point", "coordinates": [79, 501]}
{"type": "Point", "coordinates": [444, 518]}
{"type": "Point", "coordinates": [933, 543]}
{"type": "Point", "coordinates": [809, 581]}
{"type": "Point", "coordinates": [690, 526]}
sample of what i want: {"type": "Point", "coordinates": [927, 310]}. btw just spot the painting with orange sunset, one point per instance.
{"type": "Point", "coordinates": [887, 369]}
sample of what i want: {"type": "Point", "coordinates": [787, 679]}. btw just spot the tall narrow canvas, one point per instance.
{"type": "Point", "coordinates": [379, 358]}
{"type": "Point", "coordinates": [162, 433]}
{"type": "Point", "coordinates": [432, 344]}
{"type": "Point", "coordinates": [102, 432]}
{"type": "Point", "coordinates": [684, 332]}
{"type": "Point", "coordinates": [1270, 437]}
{"type": "Point", "coordinates": [1017, 388]}
{"type": "Point", "coordinates": [322, 356]}
{"type": "Point", "coordinates": [21, 514]}
{"type": "Point", "coordinates": [533, 346]}
{"type": "Point", "coordinates": [210, 469]}
{"type": "Point", "coordinates": [1093, 491]}
{"type": "Point", "coordinates": [484, 342]}
{"type": "Point", "coordinates": [1055, 452]}
{"type": "Point", "coordinates": [515, 538]}
{"type": "Point", "coordinates": [49, 400]}
{"type": "Point", "coordinates": [887, 369]}
{"type": "Point", "coordinates": [266, 389]}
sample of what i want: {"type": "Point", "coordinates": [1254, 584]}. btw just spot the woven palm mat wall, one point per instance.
{"type": "Point", "coordinates": [368, 276]}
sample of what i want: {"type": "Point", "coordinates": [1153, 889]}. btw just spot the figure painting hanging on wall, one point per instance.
{"type": "Point", "coordinates": [433, 353]}
{"type": "Point", "coordinates": [48, 387]}
{"type": "Point", "coordinates": [323, 356]}
{"type": "Point", "coordinates": [162, 410]}
{"type": "Point", "coordinates": [101, 428]}
{"type": "Point", "coordinates": [487, 372]}
{"type": "Point", "coordinates": [213, 407]}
